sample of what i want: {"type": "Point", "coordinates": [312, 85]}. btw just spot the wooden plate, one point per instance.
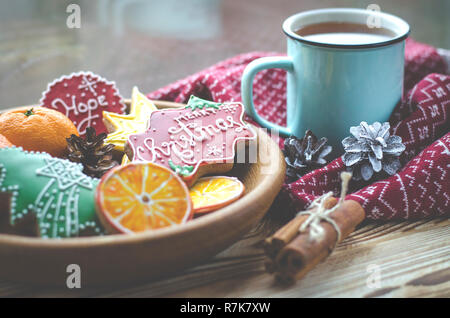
{"type": "Point", "coordinates": [115, 259]}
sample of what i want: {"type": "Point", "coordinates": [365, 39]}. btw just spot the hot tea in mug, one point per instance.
{"type": "Point", "coordinates": [340, 72]}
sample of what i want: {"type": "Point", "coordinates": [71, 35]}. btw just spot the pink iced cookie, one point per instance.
{"type": "Point", "coordinates": [82, 97]}
{"type": "Point", "coordinates": [192, 141]}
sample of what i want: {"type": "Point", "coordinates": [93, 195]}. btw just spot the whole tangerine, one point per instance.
{"type": "Point", "coordinates": [5, 143]}
{"type": "Point", "coordinates": [37, 129]}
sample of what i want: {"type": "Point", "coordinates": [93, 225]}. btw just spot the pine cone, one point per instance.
{"type": "Point", "coordinates": [371, 149]}
{"type": "Point", "coordinates": [304, 155]}
{"type": "Point", "coordinates": [95, 157]}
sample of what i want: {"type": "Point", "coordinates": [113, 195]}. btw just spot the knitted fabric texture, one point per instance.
{"type": "Point", "coordinates": [422, 186]}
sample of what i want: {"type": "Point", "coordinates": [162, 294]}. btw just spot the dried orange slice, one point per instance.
{"type": "Point", "coordinates": [211, 193]}
{"type": "Point", "coordinates": [140, 197]}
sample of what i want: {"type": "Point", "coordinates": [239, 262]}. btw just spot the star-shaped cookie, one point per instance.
{"type": "Point", "coordinates": [121, 126]}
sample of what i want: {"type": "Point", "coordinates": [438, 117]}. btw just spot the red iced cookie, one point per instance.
{"type": "Point", "coordinates": [192, 141]}
{"type": "Point", "coordinates": [82, 97]}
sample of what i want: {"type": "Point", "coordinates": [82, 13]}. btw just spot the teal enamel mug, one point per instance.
{"type": "Point", "coordinates": [333, 84]}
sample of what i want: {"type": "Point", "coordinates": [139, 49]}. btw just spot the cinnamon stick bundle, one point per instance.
{"type": "Point", "coordinates": [274, 244]}
{"type": "Point", "coordinates": [293, 254]}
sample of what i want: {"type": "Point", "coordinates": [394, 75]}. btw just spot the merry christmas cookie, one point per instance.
{"type": "Point", "coordinates": [120, 126]}
{"type": "Point", "coordinates": [46, 196]}
{"type": "Point", "coordinates": [192, 141]}
{"type": "Point", "coordinates": [83, 97]}
{"type": "Point", "coordinates": [142, 196]}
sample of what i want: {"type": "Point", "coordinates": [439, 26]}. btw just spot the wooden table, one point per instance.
{"type": "Point", "coordinates": [413, 258]}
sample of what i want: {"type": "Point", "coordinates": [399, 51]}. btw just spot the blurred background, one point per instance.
{"type": "Point", "coordinates": [150, 43]}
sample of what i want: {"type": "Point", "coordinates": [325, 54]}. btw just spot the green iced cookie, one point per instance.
{"type": "Point", "coordinates": [53, 192]}
{"type": "Point", "coordinates": [197, 102]}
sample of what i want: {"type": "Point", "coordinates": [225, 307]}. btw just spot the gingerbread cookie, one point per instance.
{"type": "Point", "coordinates": [194, 140]}
{"type": "Point", "coordinates": [142, 196]}
{"type": "Point", "coordinates": [120, 127]}
{"type": "Point", "coordinates": [47, 197]}
{"type": "Point", "coordinates": [125, 160]}
{"type": "Point", "coordinates": [83, 97]}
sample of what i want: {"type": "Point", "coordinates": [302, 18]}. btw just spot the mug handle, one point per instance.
{"type": "Point", "coordinates": [284, 62]}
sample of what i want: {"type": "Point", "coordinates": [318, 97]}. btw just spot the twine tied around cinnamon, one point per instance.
{"type": "Point", "coordinates": [316, 231]}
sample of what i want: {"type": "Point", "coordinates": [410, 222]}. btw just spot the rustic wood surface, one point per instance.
{"type": "Point", "coordinates": [36, 47]}
{"type": "Point", "coordinates": [413, 257]}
